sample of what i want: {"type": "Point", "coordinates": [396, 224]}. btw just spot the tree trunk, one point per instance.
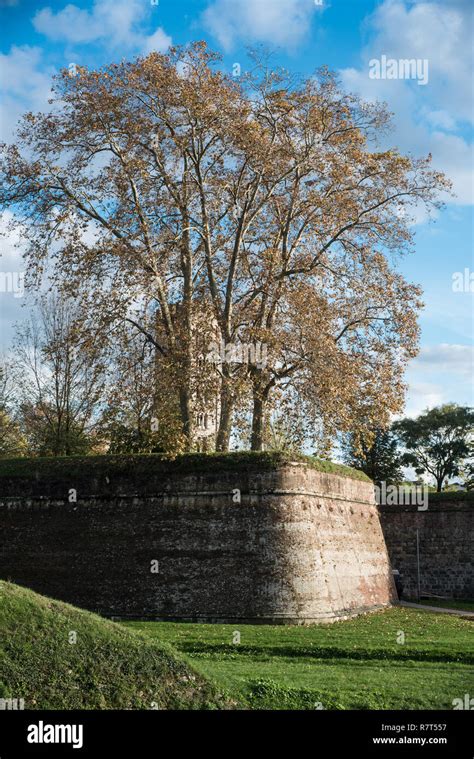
{"type": "Point", "coordinates": [261, 390]}
{"type": "Point", "coordinates": [226, 413]}
{"type": "Point", "coordinates": [258, 416]}
{"type": "Point", "coordinates": [186, 416]}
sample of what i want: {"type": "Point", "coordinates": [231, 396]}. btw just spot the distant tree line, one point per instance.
{"type": "Point", "coordinates": [438, 445]}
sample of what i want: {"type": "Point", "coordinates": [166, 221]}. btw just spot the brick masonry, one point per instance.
{"type": "Point", "coordinates": [301, 546]}
{"type": "Point", "coordinates": [446, 547]}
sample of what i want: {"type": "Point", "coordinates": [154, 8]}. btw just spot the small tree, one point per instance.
{"type": "Point", "coordinates": [12, 442]}
{"type": "Point", "coordinates": [377, 455]}
{"type": "Point", "coordinates": [438, 442]}
{"type": "Point", "coordinates": [133, 420]}
{"type": "Point", "coordinates": [60, 374]}
{"type": "Point", "coordinates": [466, 472]}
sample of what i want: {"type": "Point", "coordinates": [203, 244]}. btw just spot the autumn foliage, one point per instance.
{"type": "Point", "coordinates": [162, 189]}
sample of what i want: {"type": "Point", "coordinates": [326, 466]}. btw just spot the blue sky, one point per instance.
{"type": "Point", "coordinates": [39, 38]}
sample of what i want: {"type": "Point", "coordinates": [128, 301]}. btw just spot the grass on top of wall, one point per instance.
{"type": "Point", "coordinates": [451, 495]}
{"type": "Point", "coordinates": [107, 667]}
{"type": "Point", "coordinates": [146, 464]}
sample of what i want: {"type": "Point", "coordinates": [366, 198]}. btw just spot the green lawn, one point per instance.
{"type": "Point", "coordinates": [55, 656]}
{"type": "Point", "coordinates": [357, 664]}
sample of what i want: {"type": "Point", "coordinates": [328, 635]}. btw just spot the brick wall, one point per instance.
{"type": "Point", "coordinates": [446, 547]}
{"type": "Point", "coordinates": [301, 545]}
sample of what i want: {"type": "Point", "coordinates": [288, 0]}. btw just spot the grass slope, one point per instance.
{"type": "Point", "coordinates": [355, 664]}
{"type": "Point", "coordinates": [109, 667]}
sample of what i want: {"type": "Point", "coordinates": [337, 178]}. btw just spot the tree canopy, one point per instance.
{"type": "Point", "coordinates": [438, 441]}
{"type": "Point", "coordinates": [378, 456]}
{"type": "Point", "coordinates": [159, 189]}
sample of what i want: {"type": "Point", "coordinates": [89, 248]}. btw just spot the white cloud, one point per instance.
{"type": "Point", "coordinates": [280, 22]}
{"type": "Point", "coordinates": [71, 23]}
{"type": "Point", "coordinates": [428, 118]}
{"type": "Point", "coordinates": [439, 32]}
{"type": "Point", "coordinates": [458, 359]}
{"type": "Point", "coordinates": [447, 309]}
{"type": "Point", "coordinates": [25, 77]}
{"type": "Point", "coordinates": [107, 18]}
{"type": "Point", "coordinates": [158, 42]}
{"type": "Point", "coordinates": [11, 261]}
{"type": "Point", "coordinates": [13, 246]}
{"type": "Point", "coordinates": [414, 133]}
{"type": "Point", "coordinates": [440, 119]}
{"type": "Point", "coordinates": [440, 374]}
{"type": "Point", "coordinates": [114, 23]}
{"type": "Point", "coordinates": [25, 85]}
{"type": "Point", "coordinates": [420, 396]}
{"type": "Point", "coordinates": [11, 250]}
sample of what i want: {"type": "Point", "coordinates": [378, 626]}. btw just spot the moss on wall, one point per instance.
{"type": "Point", "coordinates": [87, 469]}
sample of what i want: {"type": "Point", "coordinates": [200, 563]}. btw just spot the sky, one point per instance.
{"type": "Point", "coordinates": [363, 41]}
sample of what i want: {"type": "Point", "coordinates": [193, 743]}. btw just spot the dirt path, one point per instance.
{"type": "Point", "coordinates": [437, 609]}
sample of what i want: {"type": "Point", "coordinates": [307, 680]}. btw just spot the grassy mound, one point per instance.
{"type": "Point", "coordinates": [108, 667]}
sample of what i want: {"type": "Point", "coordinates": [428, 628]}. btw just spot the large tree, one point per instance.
{"type": "Point", "coordinates": [376, 454]}
{"type": "Point", "coordinates": [163, 182]}
{"type": "Point", "coordinates": [438, 442]}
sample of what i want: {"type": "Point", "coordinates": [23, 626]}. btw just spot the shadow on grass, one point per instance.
{"type": "Point", "coordinates": [226, 651]}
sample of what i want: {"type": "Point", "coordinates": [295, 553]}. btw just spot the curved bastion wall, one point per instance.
{"type": "Point", "coordinates": [288, 545]}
